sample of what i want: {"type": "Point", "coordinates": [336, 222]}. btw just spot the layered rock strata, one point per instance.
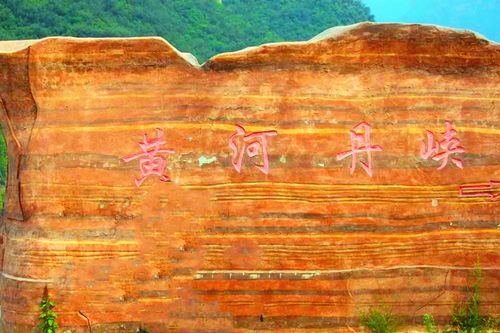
{"type": "Point", "coordinates": [301, 238]}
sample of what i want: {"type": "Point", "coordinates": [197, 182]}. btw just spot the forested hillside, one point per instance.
{"type": "Point", "coordinates": [201, 27]}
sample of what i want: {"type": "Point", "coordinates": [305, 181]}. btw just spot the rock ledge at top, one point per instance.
{"type": "Point", "coordinates": [417, 40]}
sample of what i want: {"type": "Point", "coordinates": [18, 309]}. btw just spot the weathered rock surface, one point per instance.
{"type": "Point", "coordinates": [307, 246]}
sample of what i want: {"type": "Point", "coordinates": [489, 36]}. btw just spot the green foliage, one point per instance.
{"type": "Point", "coordinates": [48, 317]}
{"type": "Point", "coordinates": [202, 27]}
{"type": "Point", "coordinates": [380, 321]}
{"type": "Point", "coordinates": [430, 326]}
{"type": "Point", "coordinates": [465, 318]}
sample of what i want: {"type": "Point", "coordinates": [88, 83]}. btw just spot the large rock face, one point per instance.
{"type": "Point", "coordinates": [364, 171]}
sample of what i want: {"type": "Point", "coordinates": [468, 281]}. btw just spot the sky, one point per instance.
{"type": "Point", "coordinates": [482, 16]}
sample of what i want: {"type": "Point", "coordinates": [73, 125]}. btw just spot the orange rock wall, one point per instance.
{"type": "Point", "coordinates": [306, 247]}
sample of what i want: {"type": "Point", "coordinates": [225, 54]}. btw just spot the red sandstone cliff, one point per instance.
{"type": "Point", "coordinates": [308, 245]}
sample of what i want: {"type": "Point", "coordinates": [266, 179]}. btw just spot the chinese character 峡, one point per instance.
{"type": "Point", "coordinates": [150, 162]}
{"type": "Point", "coordinates": [252, 144]}
{"type": "Point", "coordinates": [449, 145]}
{"type": "Point", "coordinates": [360, 143]}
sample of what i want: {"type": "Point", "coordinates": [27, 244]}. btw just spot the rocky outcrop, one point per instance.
{"type": "Point", "coordinates": [273, 224]}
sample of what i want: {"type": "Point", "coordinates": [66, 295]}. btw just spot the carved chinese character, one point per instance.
{"type": "Point", "coordinates": [360, 143]}
{"type": "Point", "coordinates": [252, 144]}
{"type": "Point", "coordinates": [449, 145]}
{"type": "Point", "coordinates": [150, 160]}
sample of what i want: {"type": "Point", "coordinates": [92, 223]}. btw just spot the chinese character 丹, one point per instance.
{"type": "Point", "coordinates": [449, 145]}
{"type": "Point", "coordinates": [360, 143]}
{"type": "Point", "coordinates": [150, 160]}
{"type": "Point", "coordinates": [252, 144]}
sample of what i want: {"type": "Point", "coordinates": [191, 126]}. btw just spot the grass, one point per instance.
{"type": "Point", "coordinates": [380, 321]}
